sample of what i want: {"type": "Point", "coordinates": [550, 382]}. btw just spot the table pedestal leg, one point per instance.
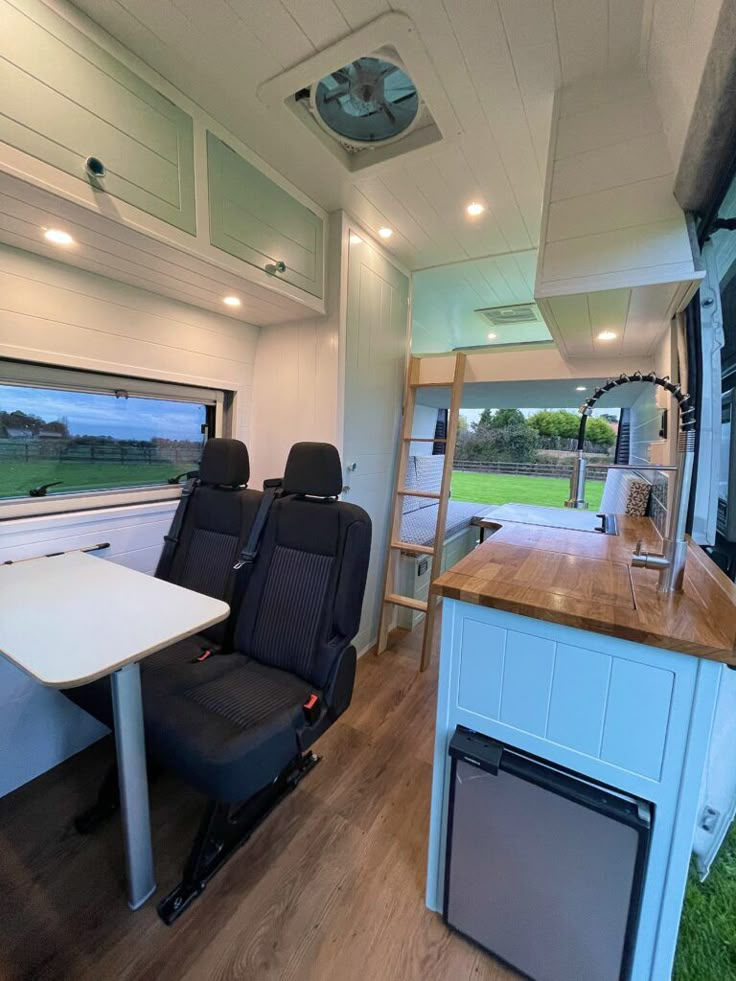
{"type": "Point", "coordinates": [131, 752]}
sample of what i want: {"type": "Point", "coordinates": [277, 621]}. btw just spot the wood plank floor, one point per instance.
{"type": "Point", "coordinates": [330, 888]}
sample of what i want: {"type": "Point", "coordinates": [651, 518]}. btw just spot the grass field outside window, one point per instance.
{"type": "Point", "coordinates": [17, 477]}
{"type": "Point", "coordinates": [501, 488]}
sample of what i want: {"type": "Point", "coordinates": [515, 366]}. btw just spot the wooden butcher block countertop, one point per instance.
{"type": "Point", "coordinates": [585, 580]}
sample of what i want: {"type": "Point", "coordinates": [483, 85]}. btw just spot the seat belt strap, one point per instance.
{"type": "Point", "coordinates": [171, 539]}
{"type": "Point", "coordinates": [249, 551]}
{"type": "Point", "coordinates": [244, 566]}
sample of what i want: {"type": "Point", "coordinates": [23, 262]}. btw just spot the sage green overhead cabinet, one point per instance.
{"type": "Point", "coordinates": [254, 219]}
{"type": "Point", "coordinates": [70, 104]}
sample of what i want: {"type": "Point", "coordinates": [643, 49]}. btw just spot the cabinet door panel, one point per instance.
{"type": "Point", "coordinates": [254, 219]}
{"type": "Point", "coordinates": [65, 99]}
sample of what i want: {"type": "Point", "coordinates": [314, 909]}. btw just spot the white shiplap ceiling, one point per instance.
{"type": "Point", "coordinates": [499, 62]}
{"type": "Point", "coordinates": [447, 298]}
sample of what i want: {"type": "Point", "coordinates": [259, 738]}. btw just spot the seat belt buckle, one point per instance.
{"type": "Point", "coordinates": [312, 708]}
{"type": "Point", "coordinates": [206, 653]}
{"type": "Point", "coordinates": [246, 558]}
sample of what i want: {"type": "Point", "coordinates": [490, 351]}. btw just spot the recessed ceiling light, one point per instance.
{"type": "Point", "coordinates": [607, 335]}
{"type": "Point", "coordinates": [232, 301]}
{"type": "Point", "coordinates": [475, 208]}
{"type": "Point", "coordinates": [58, 237]}
{"type": "Point", "coordinates": [581, 388]}
{"type": "Point", "coordinates": [492, 337]}
{"type": "Point", "coordinates": [355, 239]}
{"type": "Point", "coordinates": [385, 232]}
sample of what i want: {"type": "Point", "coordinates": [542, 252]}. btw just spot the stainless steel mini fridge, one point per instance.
{"type": "Point", "coordinates": [544, 868]}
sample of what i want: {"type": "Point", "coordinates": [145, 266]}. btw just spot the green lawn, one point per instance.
{"type": "Point", "coordinates": [501, 488]}
{"type": "Point", "coordinates": [707, 945]}
{"type": "Point", "coordinates": [17, 477]}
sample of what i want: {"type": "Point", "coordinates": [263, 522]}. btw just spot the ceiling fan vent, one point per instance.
{"type": "Point", "coordinates": [369, 102]}
{"type": "Point", "coordinates": [517, 313]}
{"type": "Point", "coordinates": [369, 97]}
{"type": "Point", "coordinates": [366, 104]}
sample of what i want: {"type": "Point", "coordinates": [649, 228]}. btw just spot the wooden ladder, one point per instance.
{"type": "Point", "coordinates": [391, 598]}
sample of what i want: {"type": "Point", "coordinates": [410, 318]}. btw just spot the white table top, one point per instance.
{"type": "Point", "coordinates": [535, 514]}
{"type": "Point", "coordinates": [72, 618]}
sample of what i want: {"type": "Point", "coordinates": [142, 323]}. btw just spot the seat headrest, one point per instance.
{"type": "Point", "coordinates": [224, 461]}
{"type": "Point", "coordinates": [313, 469]}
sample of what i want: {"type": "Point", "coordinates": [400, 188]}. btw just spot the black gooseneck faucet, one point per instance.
{"type": "Point", "coordinates": [671, 562]}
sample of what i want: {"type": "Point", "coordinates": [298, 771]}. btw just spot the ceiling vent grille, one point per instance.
{"type": "Point", "coordinates": [517, 313]}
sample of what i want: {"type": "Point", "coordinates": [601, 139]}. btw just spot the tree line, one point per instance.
{"type": "Point", "coordinates": [33, 426]}
{"type": "Point", "coordinates": [508, 436]}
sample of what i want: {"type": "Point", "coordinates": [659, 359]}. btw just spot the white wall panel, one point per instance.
{"type": "Point", "coordinates": [296, 378]}
{"type": "Point", "coordinates": [56, 314]}
{"type": "Point", "coordinates": [375, 361]}
{"type": "Point", "coordinates": [295, 393]}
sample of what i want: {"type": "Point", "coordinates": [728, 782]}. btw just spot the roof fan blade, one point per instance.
{"type": "Point", "coordinates": [337, 93]}
{"type": "Point", "coordinates": [366, 102]}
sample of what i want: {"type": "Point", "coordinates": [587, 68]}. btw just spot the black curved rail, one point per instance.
{"type": "Point", "coordinates": [687, 410]}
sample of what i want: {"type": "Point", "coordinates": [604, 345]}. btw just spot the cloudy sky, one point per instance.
{"type": "Point", "coordinates": [88, 414]}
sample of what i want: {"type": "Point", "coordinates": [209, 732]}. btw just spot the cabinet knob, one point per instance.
{"type": "Point", "coordinates": [275, 267]}
{"type": "Point", "coordinates": [95, 167]}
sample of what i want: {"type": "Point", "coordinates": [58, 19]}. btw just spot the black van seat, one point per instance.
{"type": "Point", "coordinates": [224, 725]}
{"type": "Point", "coordinates": [218, 517]}
{"type": "Point", "coordinates": [238, 728]}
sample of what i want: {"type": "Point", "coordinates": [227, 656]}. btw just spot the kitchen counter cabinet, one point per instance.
{"type": "Point", "coordinates": [543, 658]}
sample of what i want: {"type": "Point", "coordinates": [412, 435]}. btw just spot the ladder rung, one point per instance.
{"type": "Point", "coordinates": [425, 439]}
{"type": "Point", "coordinates": [408, 547]}
{"type": "Point", "coordinates": [429, 384]}
{"type": "Point", "coordinates": [413, 604]}
{"type": "Point", "coordinates": [413, 493]}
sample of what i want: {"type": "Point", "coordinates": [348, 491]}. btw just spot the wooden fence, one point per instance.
{"type": "Point", "coordinates": [70, 451]}
{"type": "Point", "coordinates": [571, 445]}
{"type": "Point", "coordinates": [527, 469]}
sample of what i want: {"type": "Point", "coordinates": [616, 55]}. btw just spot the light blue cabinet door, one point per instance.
{"type": "Point", "coordinates": [65, 99]}
{"type": "Point", "coordinates": [257, 221]}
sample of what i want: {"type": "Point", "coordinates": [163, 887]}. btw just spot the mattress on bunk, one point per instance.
{"type": "Point", "coordinates": [418, 527]}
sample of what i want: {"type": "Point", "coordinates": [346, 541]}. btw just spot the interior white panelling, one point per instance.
{"type": "Point", "coordinates": [295, 390]}
{"type": "Point", "coordinates": [57, 314]}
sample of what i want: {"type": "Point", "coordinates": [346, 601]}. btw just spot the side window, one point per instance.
{"type": "Point", "coordinates": [712, 321]}
{"type": "Point", "coordinates": [59, 439]}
